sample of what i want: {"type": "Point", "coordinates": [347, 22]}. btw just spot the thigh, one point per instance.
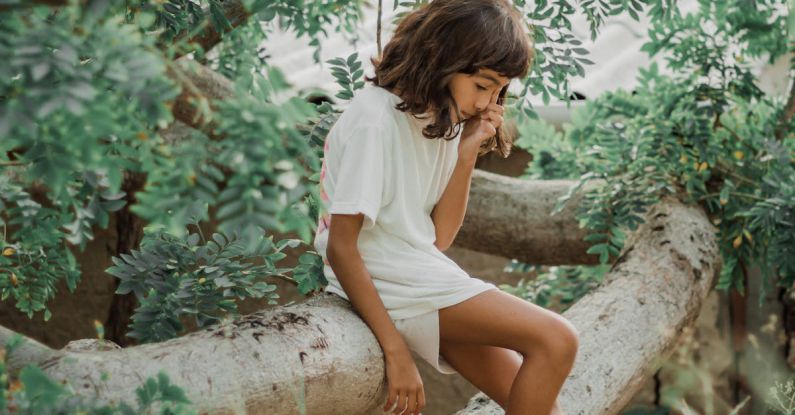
{"type": "Point", "coordinates": [489, 368]}
{"type": "Point", "coordinates": [496, 318]}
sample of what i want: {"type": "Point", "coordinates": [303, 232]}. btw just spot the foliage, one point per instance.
{"type": "Point", "coordinates": [559, 55]}
{"type": "Point", "coordinates": [782, 397]}
{"type": "Point", "coordinates": [87, 94]}
{"type": "Point", "coordinates": [558, 288]}
{"type": "Point", "coordinates": [705, 134]}
{"type": "Point", "coordinates": [347, 73]}
{"type": "Point", "coordinates": [174, 276]}
{"type": "Point", "coordinates": [31, 391]}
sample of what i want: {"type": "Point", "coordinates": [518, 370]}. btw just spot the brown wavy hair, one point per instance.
{"type": "Point", "coordinates": [445, 37]}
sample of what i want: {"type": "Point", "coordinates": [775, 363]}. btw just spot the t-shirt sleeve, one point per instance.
{"type": "Point", "coordinates": [359, 184]}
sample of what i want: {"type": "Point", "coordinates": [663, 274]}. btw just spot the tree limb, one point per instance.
{"type": "Point", "coordinates": [632, 321]}
{"type": "Point", "coordinates": [510, 217]}
{"type": "Point", "coordinates": [260, 363]}
{"type": "Point", "coordinates": [201, 86]}
{"type": "Point", "coordinates": [235, 12]}
{"type": "Point", "coordinates": [318, 355]}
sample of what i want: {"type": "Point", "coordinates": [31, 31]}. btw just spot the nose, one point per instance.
{"type": "Point", "coordinates": [482, 103]}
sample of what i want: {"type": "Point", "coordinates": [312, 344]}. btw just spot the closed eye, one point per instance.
{"type": "Point", "coordinates": [482, 88]}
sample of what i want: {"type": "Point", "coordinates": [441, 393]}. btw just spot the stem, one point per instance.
{"type": "Point", "coordinates": [722, 169]}
{"type": "Point", "coordinates": [204, 240]}
{"type": "Point", "coordinates": [378, 29]}
{"type": "Point", "coordinates": [284, 277]}
{"type": "Point", "coordinates": [750, 196]}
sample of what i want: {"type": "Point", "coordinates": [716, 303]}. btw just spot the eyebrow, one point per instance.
{"type": "Point", "coordinates": [491, 78]}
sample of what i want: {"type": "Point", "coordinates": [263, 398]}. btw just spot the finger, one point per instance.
{"type": "Point", "coordinates": [494, 115]}
{"type": "Point", "coordinates": [420, 400]}
{"type": "Point", "coordinates": [401, 404]}
{"type": "Point", "coordinates": [391, 398]}
{"type": "Point", "coordinates": [496, 107]}
{"type": "Point", "coordinates": [496, 121]}
{"type": "Point", "coordinates": [411, 406]}
{"type": "Point", "coordinates": [395, 409]}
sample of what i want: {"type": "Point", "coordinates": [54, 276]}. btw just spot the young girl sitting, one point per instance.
{"type": "Point", "coordinates": [394, 185]}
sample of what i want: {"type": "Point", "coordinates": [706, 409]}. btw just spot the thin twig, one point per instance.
{"type": "Point", "coordinates": [747, 195]}
{"type": "Point", "coordinates": [378, 29]}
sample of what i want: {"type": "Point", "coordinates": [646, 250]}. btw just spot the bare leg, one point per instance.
{"type": "Point", "coordinates": [546, 340]}
{"type": "Point", "coordinates": [556, 410]}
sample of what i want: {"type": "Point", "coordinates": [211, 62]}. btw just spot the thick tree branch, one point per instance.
{"type": "Point", "coordinates": [318, 355]}
{"type": "Point", "coordinates": [235, 12]}
{"type": "Point", "coordinates": [510, 218]}
{"type": "Point", "coordinates": [632, 322]}
{"type": "Point", "coordinates": [322, 354]}
{"type": "Point", "coordinates": [200, 87]}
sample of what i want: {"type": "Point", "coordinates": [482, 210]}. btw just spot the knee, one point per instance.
{"type": "Point", "coordinates": [561, 341]}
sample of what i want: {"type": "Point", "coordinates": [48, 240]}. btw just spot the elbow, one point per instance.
{"type": "Point", "coordinates": [441, 245]}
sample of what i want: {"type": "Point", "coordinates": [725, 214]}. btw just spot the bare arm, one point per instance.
{"type": "Point", "coordinates": [344, 258]}
{"type": "Point", "coordinates": [448, 214]}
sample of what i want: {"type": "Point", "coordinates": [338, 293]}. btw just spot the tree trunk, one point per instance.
{"type": "Point", "coordinates": [631, 322]}
{"type": "Point", "coordinates": [511, 218]}
{"type": "Point", "coordinates": [321, 356]}
{"type": "Point", "coordinates": [318, 355]}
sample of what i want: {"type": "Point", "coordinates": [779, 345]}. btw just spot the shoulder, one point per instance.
{"type": "Point", "coordinates": [371, 106]}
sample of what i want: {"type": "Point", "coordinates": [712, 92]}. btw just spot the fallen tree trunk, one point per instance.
{"type": "Point", "coordinates": [511, 218]}
{"type": "Point", "coordinates": [632, 321]}
{"type": "Point", "coordinates": [319, 355]}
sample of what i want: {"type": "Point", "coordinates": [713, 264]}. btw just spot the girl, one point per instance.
{"type": "Point", "coordinates": [394, 186]}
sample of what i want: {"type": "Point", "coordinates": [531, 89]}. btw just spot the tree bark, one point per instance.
{"type": "Point", "coordinates": [322, 355]}
{"type": "Point", "coordinates": [632, 321]}
{"type": "Point", "coordinates": [129, 233]}
{"type": "Point", "coordinates": [511, 218]}
{"type": "Point", "coordinates": [201, 86]}
{"type": "Point", "coordinates": [318, 355]}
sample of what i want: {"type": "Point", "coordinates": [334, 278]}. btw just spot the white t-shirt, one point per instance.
{"type": "Point", "coordinates": [378, 163]}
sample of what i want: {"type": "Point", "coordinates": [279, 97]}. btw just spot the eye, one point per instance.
{"type": "Point", "coordinates": [482, 88]}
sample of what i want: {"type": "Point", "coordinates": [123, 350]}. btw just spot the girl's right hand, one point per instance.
{"type": "Point", "coordinates": [404, 384]}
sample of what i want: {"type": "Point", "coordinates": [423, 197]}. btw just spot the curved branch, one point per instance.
{"type": "Point", "coordinates": [235, 12]}
{"type": "Point", "coordinates": [510, 218]}
{"type": "Point", "coordinates": [30, 351]}
{"type": "Point", "coordinates": [322, 354]}
{"type": "Point", "coordinates": [656, 288]}
{"type": "Point", "coordinates": [316, 355]}
{"type": "Point", "coordinates": [201, 86]}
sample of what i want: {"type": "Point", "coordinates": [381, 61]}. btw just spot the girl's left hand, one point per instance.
{"type": "Point", "coordinates": [478, 129]}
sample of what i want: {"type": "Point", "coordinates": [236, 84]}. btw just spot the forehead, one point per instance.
{"type": "Point", "coordinates": [492, 76]}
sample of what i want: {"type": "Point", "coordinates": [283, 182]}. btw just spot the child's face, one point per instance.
{"type": "Point", "coordinates": [473, 93]}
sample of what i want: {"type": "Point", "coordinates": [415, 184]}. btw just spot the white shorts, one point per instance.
{"type": "Point", "coordinates": [421, 334]}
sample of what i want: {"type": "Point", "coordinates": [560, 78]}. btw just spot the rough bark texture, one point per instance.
{"type": "Point", "coordinates": [130, 231]}
{"type": "Point", "coordinates": [318, 355]}
{"type": "Point", "coordinates": [510, 218]}
{"type": "Point", "coordinates": [199, 84]}
{"type": "Point", "coordinates": [631, 322]}
{"type": "Point", "coordinates": [260, 362]}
